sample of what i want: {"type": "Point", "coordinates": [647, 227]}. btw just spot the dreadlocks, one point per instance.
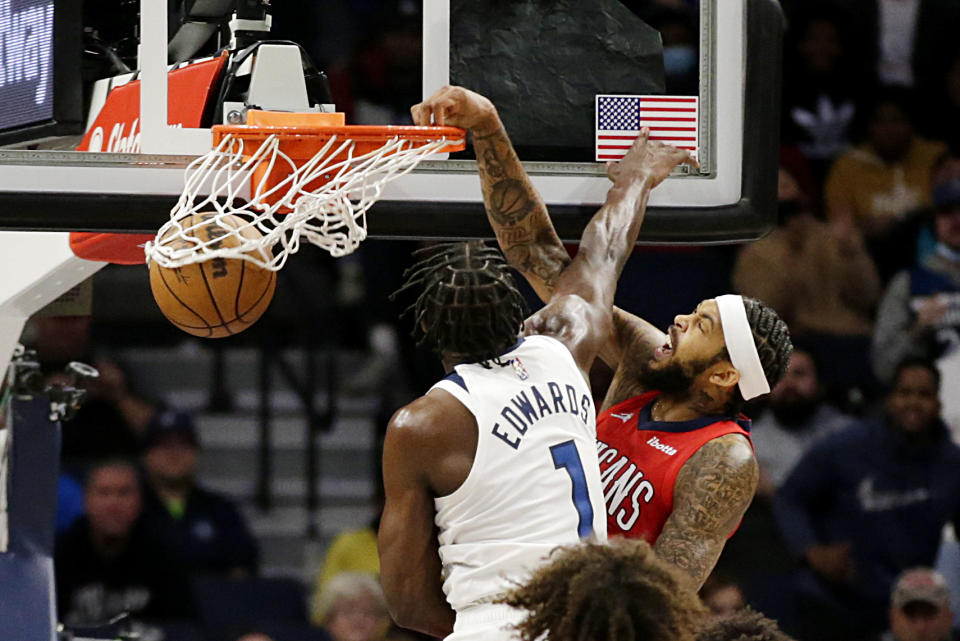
{"type": "Point", "coordinates": [469, 308]}
{"type": "Point", "coordinates": [772, 338]}
{"type": "Point", "coordinates": [745, 625]}
{"type": "Point", "coordinates": [615, 592]}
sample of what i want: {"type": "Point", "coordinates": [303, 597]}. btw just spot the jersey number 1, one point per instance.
{"type": "Point", "coordinates": [565, 455]}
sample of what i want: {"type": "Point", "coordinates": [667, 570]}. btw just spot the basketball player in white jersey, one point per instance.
{"type": "Point", "coordinates": [497, 464]}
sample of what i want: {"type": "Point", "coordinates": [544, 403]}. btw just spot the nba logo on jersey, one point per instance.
{"type": "Point", "coordinates": [519, 369]}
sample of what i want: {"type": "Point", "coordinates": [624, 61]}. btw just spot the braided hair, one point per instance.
{"type": "Point", "coordinates": [469, 308]}
{"type": "Point", "coordinates": [615, 592]}
{"type": "Point", "coordinates": [774, 347]}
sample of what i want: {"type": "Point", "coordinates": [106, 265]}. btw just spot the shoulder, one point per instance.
{"type": "Point", "coordinates": [719, 480]}
{"type": "Point", "coordinates": [428, 422]}
{"type": "Point", "coordinates": [928, 151]}
{"type": "Point", "coordinates": [726, 464]}
{"type": "Point", "coordinates": [424, 413]}
{"type": "Point", "coordinates": [731, 449]}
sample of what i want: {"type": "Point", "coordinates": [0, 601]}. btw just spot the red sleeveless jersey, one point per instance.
{"type": "Point", "coordinates": [640, 459]}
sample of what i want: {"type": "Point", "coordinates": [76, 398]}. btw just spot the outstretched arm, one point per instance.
{"type": "Point", "coordinates": [606, 244]}
{"type": "Point", "coordinates": [518, 215]}
{"type": "Point", "coordinates": [516, 212]}
{"type": "Point", "coordinates": [526, 234]}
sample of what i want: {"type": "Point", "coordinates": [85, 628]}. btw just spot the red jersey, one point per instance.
{"type": "Point", "coordinates": [640, 459]}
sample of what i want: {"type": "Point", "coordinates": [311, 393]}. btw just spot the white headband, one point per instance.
{"type": "Point", "coordinates": [740, 346]}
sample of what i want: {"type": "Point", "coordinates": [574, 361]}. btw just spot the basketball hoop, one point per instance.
{"type": "Point", "coordinates": [310, 177]}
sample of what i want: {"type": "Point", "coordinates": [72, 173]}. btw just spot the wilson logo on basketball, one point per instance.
{"type": "Point", "coordinates": [220, 296]}
{"type": "Point", "coordinates": [215, 234]}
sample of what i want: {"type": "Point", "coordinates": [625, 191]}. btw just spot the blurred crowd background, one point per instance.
{"type": "Point", "coordinates": [860, 485]}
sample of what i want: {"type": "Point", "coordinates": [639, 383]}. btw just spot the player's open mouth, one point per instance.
{"type": "Point", "coordinates": [665, 350]}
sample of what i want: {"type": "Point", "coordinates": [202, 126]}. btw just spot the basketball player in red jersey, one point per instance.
{"type": "Point", "coordinates": [677, 465]}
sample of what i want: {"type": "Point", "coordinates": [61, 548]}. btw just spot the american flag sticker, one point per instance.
{"type": "Point", "coordinates": [671, 119]}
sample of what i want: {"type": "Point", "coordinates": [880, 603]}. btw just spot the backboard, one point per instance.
{"type": "Point", "coordinates": [544, 64]}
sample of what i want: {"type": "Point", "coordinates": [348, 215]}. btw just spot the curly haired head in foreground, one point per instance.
{"type": "Point", "coordinates": [615, 592]}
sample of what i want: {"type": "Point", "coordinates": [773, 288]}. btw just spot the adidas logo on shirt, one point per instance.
{"type": "Point", "coordinates": [655, 443]}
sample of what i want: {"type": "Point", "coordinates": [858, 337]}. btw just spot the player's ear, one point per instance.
{"type": "Point", "coordinates": [725, 375]}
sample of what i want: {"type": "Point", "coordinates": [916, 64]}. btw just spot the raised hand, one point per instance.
{"type": "Point", "coordinates": [648, 160]}
{"type": "Point", "coordinates": [457, 107]}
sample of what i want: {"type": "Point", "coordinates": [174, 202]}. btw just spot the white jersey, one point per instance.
{"type": "Point", "coordinates": [535, 480]}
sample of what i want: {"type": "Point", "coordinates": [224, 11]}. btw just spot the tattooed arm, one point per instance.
{"type": "Point", "coordinates": [516, 212]}
{"type": "Point", "coordinates": [518, 215]}
{"type": "Point", "coordinates": [712, 492]}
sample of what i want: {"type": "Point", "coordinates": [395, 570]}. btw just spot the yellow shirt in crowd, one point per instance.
{"type": "Point", "coordinates": [875, 193]}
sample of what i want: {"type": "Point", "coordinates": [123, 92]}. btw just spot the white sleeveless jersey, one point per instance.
{"type": "Point", "coordinates": [535, 480]}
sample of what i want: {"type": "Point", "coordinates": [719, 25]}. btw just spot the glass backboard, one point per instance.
{"type": "Point", "coordinates": [543, 63]}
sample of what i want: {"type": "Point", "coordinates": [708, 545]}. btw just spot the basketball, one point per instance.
{"type": "Point", "coordinates": [219, 297]}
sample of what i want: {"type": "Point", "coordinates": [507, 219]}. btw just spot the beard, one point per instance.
{"type": "Point", "coordinates": [673, 379]}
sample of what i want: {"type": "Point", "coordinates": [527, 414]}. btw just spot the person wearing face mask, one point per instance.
{"type": "Point", "coordinates": [868, 502]}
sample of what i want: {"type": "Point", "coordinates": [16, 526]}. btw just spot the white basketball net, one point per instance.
{"type": "Point", "coordinates": [332, 217]}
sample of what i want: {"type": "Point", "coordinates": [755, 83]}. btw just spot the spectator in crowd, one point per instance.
{"type": "Point", "coordinates": [200, 527]}
{"type": "Point", "coordinates": [795, 417]}
{"type": "Point", "coordinates": [722, 595]}
{"type": "Point", "coordinates": [920, 311]}
{"type": "Point", "coordinates": [868, 502]}
{"type": "Point", "coordinates": [873, 187]}
{"type": "Point", "coordinates": [821, 86]}
{"type": "Point", "coordinates": [821, 282]}
{"type": "Point", "coordinates": [107, 564]}
{"type": "Point", "coordinates": [920, 608]}
{"type": "Point", "coordinates": [743, 625]}
{"type": "Point", "coordinates": [351, 607]}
